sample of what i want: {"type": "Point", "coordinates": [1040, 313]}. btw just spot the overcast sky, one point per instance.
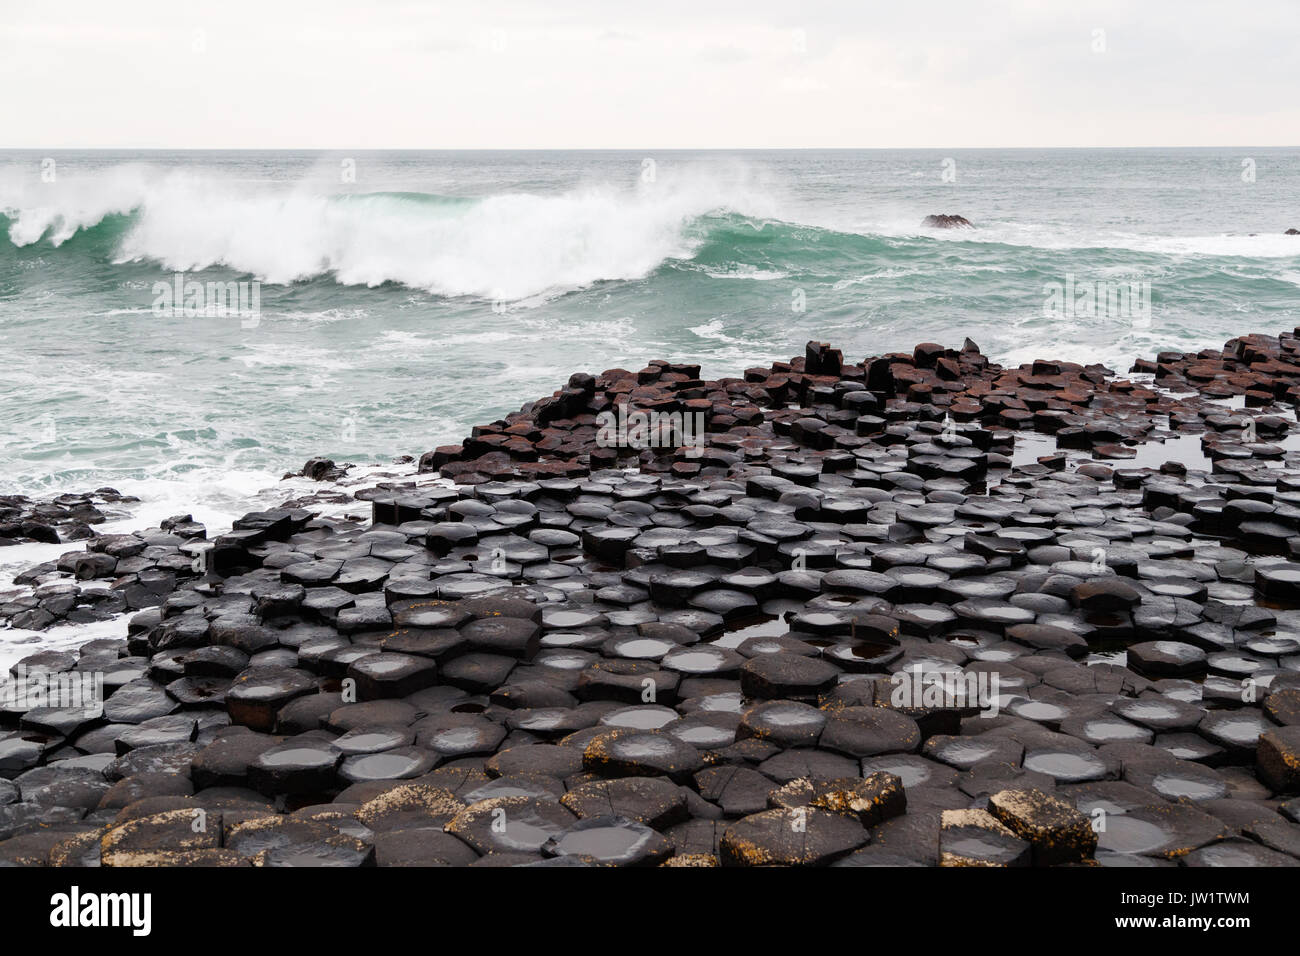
{"type": "Point", "coordinates": [337, 74]}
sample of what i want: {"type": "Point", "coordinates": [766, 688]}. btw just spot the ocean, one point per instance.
{"type": "Point", "coordinates": [394, 299]}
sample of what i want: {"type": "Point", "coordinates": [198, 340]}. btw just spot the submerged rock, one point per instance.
{"type": "Point", "coordinates": [944, 221]}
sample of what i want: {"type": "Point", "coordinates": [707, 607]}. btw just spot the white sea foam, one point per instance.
{"type": "Point", "coordinates": [508, 246]}
{"type": "Point", "coordinates": [1053, 236]}
{"type": "Point", "coordinates": [712, 329]}
{"type": "Point", "coordinates": [38, 209]}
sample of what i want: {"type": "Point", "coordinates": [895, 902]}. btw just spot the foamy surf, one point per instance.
{"type": "Point", "coordinates": [506, 246]}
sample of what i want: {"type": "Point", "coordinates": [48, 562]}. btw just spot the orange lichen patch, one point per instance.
{"type": "Point", "coordinates": [204, 858]}
{"type": "Point", "coordinates": [1283, 706]}
{"type": "Point", "coordinates": [872, 800]}
{"type": "Point", "coordinates": [1278, 759]}
{"type": "Point", "coordinates": [252, 825]}
{"type": "Point", "coordinates": [72, 851]}
{"type": "Point", "coordinates": [138, 842]}
{"type": "Point", "coordinates": [415, 797]}
{"type": "Point", "coordinates": [796, 793]}
{"type": "Point", "coordinates": [691, 859]}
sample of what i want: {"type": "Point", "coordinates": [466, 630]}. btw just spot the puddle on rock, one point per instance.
{"type": "Point", "coordinates": [383, 766]}
{"type": "Point", "coordinates": [1066, 767]}
{"type": "Point", "coordinates": [651, 717]}
{"type": "Point", "coordinates": [1126, 834]}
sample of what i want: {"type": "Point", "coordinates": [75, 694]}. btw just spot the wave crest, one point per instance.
{"type": "Point", "coordinates": [509, 246]}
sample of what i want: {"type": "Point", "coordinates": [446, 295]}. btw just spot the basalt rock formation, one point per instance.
{"type": "Point", "coordinates": [68, 517]}
{"type": "Point", "coordinates": [918, 609]}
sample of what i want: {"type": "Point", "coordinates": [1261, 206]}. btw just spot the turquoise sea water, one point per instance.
{"type": "Point", "coordinates": [406, 296]}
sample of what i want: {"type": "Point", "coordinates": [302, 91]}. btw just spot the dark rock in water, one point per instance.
{"type": "Point", "coordinates": [1292, 232]}
{"type": "Point", "coordinates": [821, 359]}
{"type": "Point", "coordinates": [943, 221]}
{"type": "Point", "coordinates": [322, 469]}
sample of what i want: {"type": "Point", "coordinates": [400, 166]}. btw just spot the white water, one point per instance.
{"type": "Point", "coordinates": [508, 245]}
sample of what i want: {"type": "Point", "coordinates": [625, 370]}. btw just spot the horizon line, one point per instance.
{"type": "Point", "coordinates": [600, 149]}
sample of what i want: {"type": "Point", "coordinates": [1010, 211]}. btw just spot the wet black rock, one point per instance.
{"type": "Point", "coordinates": [257, 695]}
{"type": "Point", "coordinates": [634, 753]}
{"type": "Point", "coordinates": [322, 469]}
{"type": "Point", "coordinates": [785, 676]}
{"type": "Point", "coordinates": [610, 841]}
{"type": "Point", "coordinates": [945, 221]}
{"type": "Point", "coordinates": [511, 824]}
{"type": "Point", "coordinates": [790, 837]}
{"type": "Point", "coordinates": [295, 767]}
